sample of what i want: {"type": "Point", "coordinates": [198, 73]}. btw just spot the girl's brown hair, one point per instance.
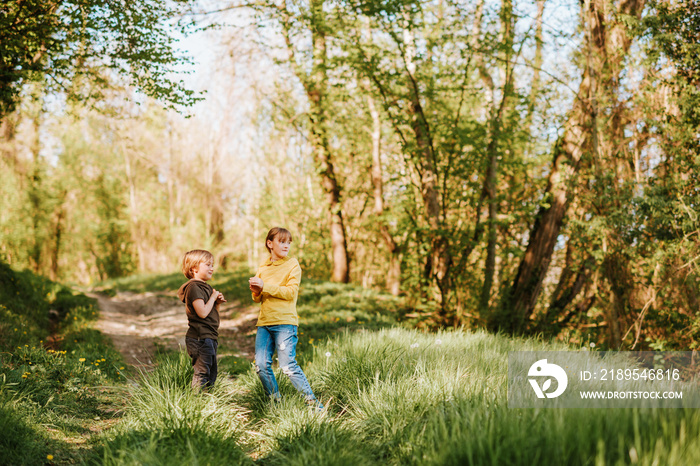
{"type": "Point", "coordinates": [283, 233]}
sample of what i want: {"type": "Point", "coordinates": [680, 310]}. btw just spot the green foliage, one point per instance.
{"type": "Point", "coordinates": [79, 39]}
{"type": "Point", "coordinates": [24, 307]}
{"type": "Point", "coordinates": [55, 380]}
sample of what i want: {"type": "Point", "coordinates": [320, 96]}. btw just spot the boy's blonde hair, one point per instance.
{"type": "Point", "coordinates": [193, 258]}
{"type": "Point", "coordinates": [283, 233]}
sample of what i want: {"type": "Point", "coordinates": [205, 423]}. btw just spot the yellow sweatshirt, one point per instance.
{"type": "Point", "coordinates": [281, 281]}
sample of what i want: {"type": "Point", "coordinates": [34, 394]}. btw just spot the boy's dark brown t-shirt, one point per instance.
{"type": "Point", "coordinates": [199, 328]}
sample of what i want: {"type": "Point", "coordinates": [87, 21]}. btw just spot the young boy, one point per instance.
{"type": "Point", "coordinates": [202, 306]}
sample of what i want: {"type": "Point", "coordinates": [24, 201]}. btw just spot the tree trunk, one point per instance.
{"type": "Point", "coordinates": [439, 261]}
{"type": "Point", "coordinates": [60, 216]}
{"type": "Point", "coordinates": [316, 89]}
{"type": "Point", "coordinates": [493, 152]}
{"type": "Point", "coordinates": [536, 65]}
{"type": "Point", "coordinates": [133, 208]}
{"type": "Point", "coordinates": [393, 277]}
{"type": "Point", "coordinates": [37, 199]}
{"type": "Point", "coordinates": [578, 137]}
{"type": "Point", "coordinates": [574, 276]}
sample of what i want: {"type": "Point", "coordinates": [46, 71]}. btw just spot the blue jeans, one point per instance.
{"type": "Point", "coordinates": [284, 339]}
{"type": "Point", "coordinates": [203, 354]}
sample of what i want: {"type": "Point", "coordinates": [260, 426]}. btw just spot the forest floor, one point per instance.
{"type": "Point", "coordinates": [141, 324]}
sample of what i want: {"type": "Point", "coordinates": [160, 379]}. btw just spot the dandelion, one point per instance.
{"type": "Point", "coordinates": [81, 359]}
{"type": "Point", "coordinates": [592, 345]}
{"type": "Point", "coordinates": [415, 345]}
{"type": "Point", "coordinates": [121, 368]}
{"type": "Point", "coordinates": [438, 342]}
{"type": "Point", "coordinates": [328, 354]}
{"type": "Point", "coordinates": [49, 457]}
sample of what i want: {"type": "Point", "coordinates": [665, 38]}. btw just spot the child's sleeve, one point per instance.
{"type": "Point", "coordinates": [193, 293]}
{"type": "Point", "coordinates": [289, 290]}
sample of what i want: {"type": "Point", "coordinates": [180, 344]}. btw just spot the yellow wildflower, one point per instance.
{"type": "Point", "coordinates": [49, 457]}
{"type": "Point", "coordinates": [81, 359]}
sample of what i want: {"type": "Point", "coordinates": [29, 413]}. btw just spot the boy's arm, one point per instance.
{"type": "Point", "coordinates": [287, 291]}
{"type": "Point", "coordinates": [202, 309]}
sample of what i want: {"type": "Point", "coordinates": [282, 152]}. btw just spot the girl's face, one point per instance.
{"type": "Point", "coordinates": [279, 248]}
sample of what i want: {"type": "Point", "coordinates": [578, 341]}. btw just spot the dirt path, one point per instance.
{"type": "Point", "coordinates": [139, 324]}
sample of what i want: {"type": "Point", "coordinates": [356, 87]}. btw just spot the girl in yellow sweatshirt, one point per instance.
{"type": "Point", "coordinates": [276, 287]}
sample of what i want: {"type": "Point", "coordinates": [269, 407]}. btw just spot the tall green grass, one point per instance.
{"type": "Point", "coordinates": [402, 397]}
{"type": "Point", "coordinates": [55, 370]}
{"type": "Point", "coordinates": [393, 396]}
{"type": "Point", "coordinates": [168, 422]}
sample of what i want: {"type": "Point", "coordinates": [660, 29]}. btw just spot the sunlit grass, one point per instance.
{"type": "Point", "coordinates": [59, 377]}
{"type": "Point", "coordinates": [393, 395]}
{"type": "Point", "coordinates": [168, 421]}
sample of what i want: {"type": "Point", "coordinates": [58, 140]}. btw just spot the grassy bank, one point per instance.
{"type": "Point", "coordinates": [60, 381]}
{"type": "Point", "coordinates": [393, 394]}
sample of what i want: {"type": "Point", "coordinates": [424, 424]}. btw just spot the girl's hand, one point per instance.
{"type": "Point", "coordinates": [255, 289]}
{"type": "Point", "coordinates": [220, 298]}
{"type": "Point", "coordinates": [256, 284]}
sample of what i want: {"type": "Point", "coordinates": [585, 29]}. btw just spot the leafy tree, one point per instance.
{"type": "Point", "coordinates": [63, 42]}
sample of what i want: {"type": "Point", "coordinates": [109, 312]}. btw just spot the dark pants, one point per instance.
{"type": "Point", "coordinates": [203, 354]}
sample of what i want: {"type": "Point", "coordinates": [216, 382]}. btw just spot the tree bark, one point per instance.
{"type": "Point", "coordinates": [579, 137]}
{"type": "Point", "coordinates": [493, 153]}
{"type": "Point", "coordinates": [439, 261]}
{"type": "Point", "coordinates": [536, 65]}
{"type": "Point", "coordinates": [316, 89]}
{"type": "Point", "coordinates": [393, 277]}
{"type": "Point", "coordinates": [573, 278]}
{"type": "Point", "coordinates": [60, 215]}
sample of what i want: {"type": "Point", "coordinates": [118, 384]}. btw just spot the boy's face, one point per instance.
{"type": "Point", "coordinates": [204, 271]}
{"type": "Point", "coordinates": [279, 248]}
